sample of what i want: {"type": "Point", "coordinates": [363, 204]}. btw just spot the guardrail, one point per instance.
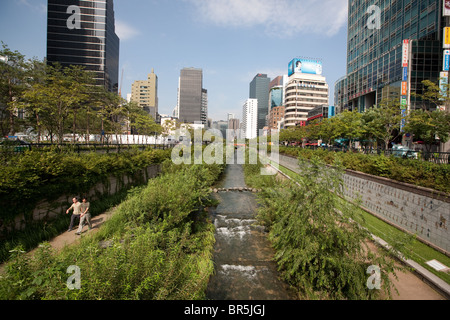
{"type": "Point", "coordinates": [436, 157]}
{"type": "Point", "coordinates": [80, 147]}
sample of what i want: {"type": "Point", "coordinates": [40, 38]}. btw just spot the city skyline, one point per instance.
{"type": "Point", "coordinates": [231, 41]}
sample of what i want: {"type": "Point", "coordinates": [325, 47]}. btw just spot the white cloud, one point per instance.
{"type": "Point", "coordinates": [125, 31]}
{"type": "Point", "coordinates": [37, 6]}
{"type": "Point", "coordinates": [283, 18]}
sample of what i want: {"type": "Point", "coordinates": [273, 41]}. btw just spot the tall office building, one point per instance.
{"type": "Point", "coordinates": [306, 89]}
{"type": "Point", "coordinates": [190, 96]}
{"type": "Point", "coordinates": [259, 89]}
{"type": "Point", "coordinates": [145, 94]}
{"type": "Point", "coordinates": [250, 119]}
{"type": "Point", "coordinates": [204, 111]}
{"type": "Point", "coordinates": [276, 103]}
{"type": "Point", "coordinates": [82, 32]}
{"type": "Point", "coordinates": [391, 48]}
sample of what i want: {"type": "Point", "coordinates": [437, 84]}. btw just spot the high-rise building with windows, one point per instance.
{"type": "Point", "coordinates": [259, 89]}
{"type": "Point", "coordinates": [250, 119]}
{"type": "Point", "coordinates": [305, 89]}
{"type": "Point", "coordinates": [379, 65]}
{"type": "Point", "coordinates": [191, 96]}
{"type": "Point", "coordinates": [145, 94]}
{"type": "Point", "coordinates": [276, 103]}
{"type": "Point", "coordinates": [82, 32]}
{"type": "Point", "coordinates": [204, 111]}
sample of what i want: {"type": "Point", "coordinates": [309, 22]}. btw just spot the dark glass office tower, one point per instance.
{"type": "Point", "coordinates": [375, 59]}
{"type": "Point", "coordinates": [82, 32]}
{"type": "Point", "coordinates": [259, 89]}
{"type": "Point", "coordinates": [190, 94]}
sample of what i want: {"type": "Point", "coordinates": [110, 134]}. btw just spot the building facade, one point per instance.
{"type": "Point", "coordinates": [259, 89]}
{"type": "Point", "coordinates": [82, 32]}
{"type": "Point", "coordinates": [250, 119]}
{"type": "Point", "coordinates": [204, 111]}
{"type": "Point", "coordinates": [303, 93]}
{"type": "Point", "coordinates": [379, 65]}
{"type": "Point", "coordinates": [276, 103]}
{"type": "Point", "coordinates": [145, 94]}
{"type": "Point", "coordinates": [190, 96]}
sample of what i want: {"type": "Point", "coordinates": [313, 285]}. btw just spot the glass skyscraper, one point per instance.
{"type": "Point", "coordinates": [375, 51]}
{"type": "Point", "coordinates": [191, 96]}
{"type": "Point", "coordinates": [82, 32]}
{"type": "Point", "coordinates": [259, 89]}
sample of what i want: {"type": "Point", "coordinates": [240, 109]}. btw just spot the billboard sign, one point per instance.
{"type": "Point", "coordinates": [443, 83]}
{"type": "Point", "coordinates": [301, 65]}
{"type": "Point", "coordinates": [404, 88]}
{"type": "Point", "coordinates": [405, 74]}
{"type": "Point", "coordinates": [446, 8]}
{"type": "Point", "coordinates": [446, 64]}
{"type": "Point", "coordinates": [403, 102]}
{"type": "Point", "coordinates": [446, 43]}
{"type": "Point", "coordinates": [405, 53]}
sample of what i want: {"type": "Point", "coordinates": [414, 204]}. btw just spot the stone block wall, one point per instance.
{"type": "Point", "coordinates": [48, 210]}
{"type": "Point", "coordinates": [423, 212]}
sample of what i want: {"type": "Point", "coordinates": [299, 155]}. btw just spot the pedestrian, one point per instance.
{"type": "Point", "coordinates": [85, 215]}
{"type": "Point", "coordinates": [76, 206]}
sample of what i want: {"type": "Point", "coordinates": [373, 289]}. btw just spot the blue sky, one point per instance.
{"type": "Point", "coordinates": [231, 40]}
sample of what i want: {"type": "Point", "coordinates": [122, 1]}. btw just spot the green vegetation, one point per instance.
{"type": "Point", "coordinates": [321, 249]}
{"type": "Point", "coordinates": [420, 173]}
{"type": "Point", "coordinates": [37, 176]}
{"type": "Point", "coordinates": [60, 100]}
{"type": "Point", "coordinates": [157, 245]}
{"type": "Point", "coordinates": [419, 252]}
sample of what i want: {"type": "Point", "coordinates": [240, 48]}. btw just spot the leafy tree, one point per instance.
{"type": "Point", "coordinates": [383, 121]}
{"type": "Point", "coordinates": [321, 248]}
{"type": "Point", "coordinates": [293, 134]}
{"type": "Point", "coordinates": [350, 124]}
{"type": "Point", "coordinates": [13, 78]}
{"type": "Point", "coordinates": [61, 94]}
{"type": "Point", "coordinates": [429, 125]}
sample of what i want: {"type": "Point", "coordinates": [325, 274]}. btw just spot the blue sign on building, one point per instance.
{"type": "Point", "coordinates": [405, 74]}
{"type": "Point", "coordinates": [446, 60]}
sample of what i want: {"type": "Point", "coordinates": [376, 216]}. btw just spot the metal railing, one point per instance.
{"type": "Point", "coordinates": [431, 156]}
{"type": "Point", "coordinates": [80, 147]}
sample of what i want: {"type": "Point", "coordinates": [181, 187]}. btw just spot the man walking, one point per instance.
{"type": "Point", "coordinates": [85, 215]}
{"type": "Point", "coordinates": [76, 206]}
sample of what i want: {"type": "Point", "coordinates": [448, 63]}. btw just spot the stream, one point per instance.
{"type": "Point", "coordinates": [244, 266]}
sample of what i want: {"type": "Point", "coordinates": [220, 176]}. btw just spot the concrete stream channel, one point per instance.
{"type": "Point", "coordinates": [244, 266]}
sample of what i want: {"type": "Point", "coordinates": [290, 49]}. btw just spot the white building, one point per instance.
{"type": "Point", "coordinates": [250, 119]}
{"type": "Point", "coordinates": [303, 92]}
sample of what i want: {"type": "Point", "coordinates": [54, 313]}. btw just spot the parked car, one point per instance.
{"type": "Point", "coordinates": [15, 145]}
{"type": "Point", "coordinates": [403, 152]}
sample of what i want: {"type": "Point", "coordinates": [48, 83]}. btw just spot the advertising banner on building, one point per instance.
{"type": "Point", "coordinates": [404, 88]}
{"type": "Point", "coordinates": [446, 7]}
{"type": "Point", "coordinates": [301, 65]}
{"type": "Point", "coordinates": [446, 64]}
{"type": "Point", "coordinates": [405, 74]}
{"type": "Point", "coordinates": [446, 43]}
{"type": "Point", "coordinates": [405, 53]}
{"type": "Point", "coordinates": [443, 83]}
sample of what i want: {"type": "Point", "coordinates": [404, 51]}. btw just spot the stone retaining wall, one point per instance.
{"type": "Point", "coordinates": [421, 211]}
{"type": "Point", "coordinates": [48, 210]}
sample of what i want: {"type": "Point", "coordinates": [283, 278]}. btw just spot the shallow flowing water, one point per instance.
{"type": "Point", "coordinates": [244, 269]}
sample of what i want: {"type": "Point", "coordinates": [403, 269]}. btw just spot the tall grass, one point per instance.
{"type": "Point", "coordinates": [157, 245]}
